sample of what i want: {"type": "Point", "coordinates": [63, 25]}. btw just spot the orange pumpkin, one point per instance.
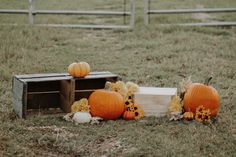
{"type": "Point", "coordinates": [108, 105]}
{"type": "Point", "coordinates": [202, 94]}
{"type": "Point", "coordinates": [188, 116]}
{"type": "Point", "coordinates": [128, 115]}
{"type": "Point", "coordinates": [80, 69]}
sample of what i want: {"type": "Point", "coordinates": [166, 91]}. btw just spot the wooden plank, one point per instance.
{"type": "Point", "coordinates": [43, 101]}
{"type": "Point", "coordinates": [17, 87]}
{"type": "Point", "coordinates": [31, 10]}
{"type": "Point", "coordinates": [46, 79]}
{"type": "Point", "coordinates": [156, 91]}
{"type": "Point", "coordinates": [185, 11]}
{"type": "Point", "coordinates": [146, 12]}
{"type": "Point", "coordinates": [25, 101]}
{"type": "Point", "coordinates": [85, 26]}
{"type": "Point", "coordinates": [97, 77]}
{"type": "Point", "coordinates": [13, 11]}
{"type": "Point", "coordinates": [67, 94]}
{"type": "Point", "coordinates": [132, 17]}
{"type": "Point", "coordinates": [42, 79]}
{"type": "Point", "coordinates": [79, 12]}
{"type": "Point", "coordinates": [210, 24]}
{"type": "Point", "coordinates": [18, 106]}
{"type": "Point", "coordinates": [18, 100]}
{"type": "Point", "coordinates": [47, 92]}
{"type": "Point", "coordinates": [43, 75]}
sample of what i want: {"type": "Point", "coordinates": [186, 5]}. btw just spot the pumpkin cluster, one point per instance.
{"type": "Point", "coordinates": [127, 90]}
{"type": "Point", "coordinates": [198, 101]}
{"type": "Point", "coordinates": [111, 103]}
{"type": "Point", "coordinates": [133, 108]}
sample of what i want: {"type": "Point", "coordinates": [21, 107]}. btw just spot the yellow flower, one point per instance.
{"type": "Point", "coordinates": [175, 105]}
{"type": "Point", "coordinates": [138, 114]}
{"type": "Point", "coordinates": [130, 108]}
{"type": "Point", "coordinates": [137, 107]}
{"type": "Point", "coordinates": [203, 114]}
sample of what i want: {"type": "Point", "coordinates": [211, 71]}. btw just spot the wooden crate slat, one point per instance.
{"type": "Point", "coordinates": [65, 76]}
{"type": "Point", "coordinates": [42, 75]}
{"type": "Point", "coordinates": [42, 101]}
{"type": "Point", "coordinates": [17, 107]}
{"type": "Point", "coordinates": [46, 79]}
{"type": "Point", "coordinates": [18, 96]}
{"type": "Point", "coordinates": [67, 94]}
{"type": "Point", "coordinates": [97, 76]}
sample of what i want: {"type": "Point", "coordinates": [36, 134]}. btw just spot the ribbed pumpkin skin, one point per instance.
{"type": "Point", "coordinates": [108, 105]}
{"type": "Point", "coordinates": [128, 115]}
{"type": "Point", "coordinates": [80, 69]}
{"type": "Point", "coordinates": [200, 94]}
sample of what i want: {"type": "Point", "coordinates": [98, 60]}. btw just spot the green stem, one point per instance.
{"type": "Point", "coordinates": [207, 81]}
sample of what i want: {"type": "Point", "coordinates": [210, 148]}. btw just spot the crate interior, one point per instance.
{"type": "Point", "coordinates": [90, 84]}
{"type": "Point", "coordinates": [43, 95]}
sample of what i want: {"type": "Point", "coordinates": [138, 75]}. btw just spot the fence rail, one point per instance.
{"type": "Point", "coordinates": [32, 12]}
{"type": "Point", "coordinates": [148, 12]}
{"type": "Point", "coordinates": [66, 12]}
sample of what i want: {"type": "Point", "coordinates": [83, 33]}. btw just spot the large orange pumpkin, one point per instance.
{"type": "Point", "coordinates": [80, 69]}
{"type": "Point", "coordinates": [108, 105]}
{"type": "Point", "coordinates": [202, 94]}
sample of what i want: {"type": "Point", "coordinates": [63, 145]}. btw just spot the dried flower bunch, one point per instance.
{"type": "Point", "coordinates": [175, 105]}
{"type": "Point", "coordinates": [80, 106]}
{"type": "Point", "coordinates": [203, 114]}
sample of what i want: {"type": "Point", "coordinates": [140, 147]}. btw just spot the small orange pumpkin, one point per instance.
{"type": "Point", "coordinates": [188, 116]}
{"type": "Point", "coordinates": [202, 94]}
{"type": "Point", "coordinates": [128, 115]}
{"type": "Point", "coordinates": [80, 69]}
{"type": "Point", "coordinates": [108, 105]}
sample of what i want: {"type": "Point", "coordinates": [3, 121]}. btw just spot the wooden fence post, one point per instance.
{"type": "Point", "coordinates": [146, 10]}
{"type": "Point", "coordinates": [132, 10]}
{"type": "Point", "coordinates": [31, 11]}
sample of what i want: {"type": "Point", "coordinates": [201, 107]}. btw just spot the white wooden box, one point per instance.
{"type": "Point", "coordinates": [154, 101]}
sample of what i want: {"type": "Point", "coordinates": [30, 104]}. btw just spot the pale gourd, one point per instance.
{"type": "Point", "coordinates": [81, 117]}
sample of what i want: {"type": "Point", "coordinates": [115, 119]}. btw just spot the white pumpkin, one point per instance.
{"type": "Point", "coordinates": [82, 117]}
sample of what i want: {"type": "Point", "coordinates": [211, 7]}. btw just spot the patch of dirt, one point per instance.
{"type": "Point", "coordinates": [202, 16]}
{"type": "Point", "coordinates": [104, 147]}
{"type": "Point", "coordinates": [58, 131]}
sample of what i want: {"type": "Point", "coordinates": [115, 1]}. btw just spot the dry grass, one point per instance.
{"type": "Point", "coordinates": [153, 56]}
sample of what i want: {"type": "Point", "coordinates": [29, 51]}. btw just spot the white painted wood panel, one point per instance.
{"type": "Point", "coordinates": [154, 101]}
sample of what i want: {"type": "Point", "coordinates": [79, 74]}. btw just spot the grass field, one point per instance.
{"type": "Point", "coordinates": [149, 56]}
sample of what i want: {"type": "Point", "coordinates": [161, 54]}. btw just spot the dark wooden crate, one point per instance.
{"type": "Point", "coordinates": [45, 93]}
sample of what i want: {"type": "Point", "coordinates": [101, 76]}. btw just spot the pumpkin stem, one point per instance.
{"type": "Point", "coordinates": [207, 81]}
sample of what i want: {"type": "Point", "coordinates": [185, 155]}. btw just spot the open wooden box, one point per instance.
{"type": "Point", "coordinates": [154, 101]}
{"type": "Point", "coordinates": [53, 93]}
